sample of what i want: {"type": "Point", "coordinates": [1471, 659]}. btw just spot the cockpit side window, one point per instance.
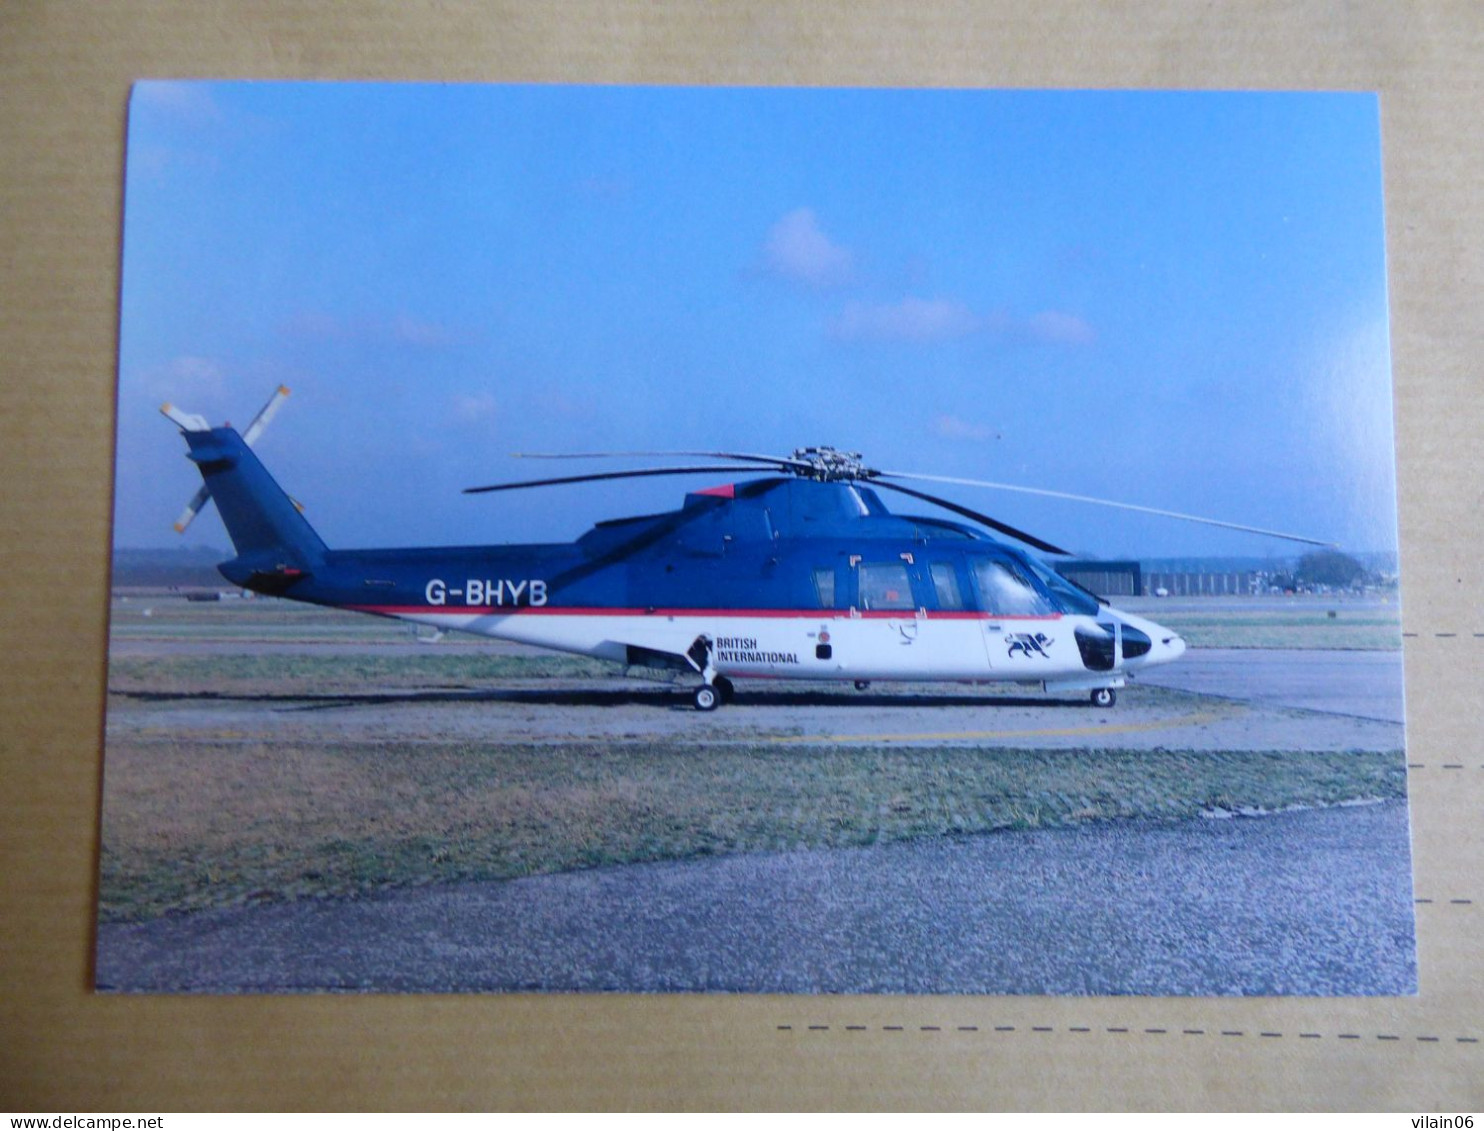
{"type": "Point", "coordinates": [1006, 592]}
{"type": "Point", "coordinates": [885, 585]}
{"type": "Point", "coordinates": [945, 586]}
{"type": "Point", "coordinates": [824, 587]}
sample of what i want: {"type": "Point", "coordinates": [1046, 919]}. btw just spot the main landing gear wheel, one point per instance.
{"type": "Point", "coordinates": [1104, 697]}
{"type": "Point", "coordinates": [724, 687]}
{"type": "Point", "coordinates": [862, 684]}
{"type": "Point", "coordinates": [707, 697]}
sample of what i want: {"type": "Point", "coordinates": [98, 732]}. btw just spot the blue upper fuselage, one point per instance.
{"type": "Point", "coordinates": [766, 544]}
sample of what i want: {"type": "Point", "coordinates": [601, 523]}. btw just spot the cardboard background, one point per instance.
{"type": "Point", "coordinates": [65, 70]}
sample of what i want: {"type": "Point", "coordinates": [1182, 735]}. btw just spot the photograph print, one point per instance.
{"type": "Point", "coordinates": [644, 539]}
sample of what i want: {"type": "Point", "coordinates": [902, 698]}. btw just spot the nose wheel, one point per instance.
{"type": "Point", "coordinates": [1104, 697]}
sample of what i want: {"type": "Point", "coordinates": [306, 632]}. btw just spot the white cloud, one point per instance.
{"type": "Point", "coordinates": [475, 408]}
{"type": "Point", "coordinates": [944, 319]}
{"type": "Point", "coordinates": [950, 427]}
{"type": "Point", "coordinates": [188, 378]}
{"type": "Point", "coordinates": [797, 249]}
{"type": "Point", "coordinates": [606, 190]}
{"type": "Point", "coordinates": [911, 320]}
{"type": "Point", "coordinates": [315, 326]}
{"type": "Point", "coordinates": [415, 332]}
{"type": "Point", "coordinates": [402, 329]}
{"type": "Point", "coordinates": [197, 372]}
{"type": "Point", "coordinates": [1060, 327]}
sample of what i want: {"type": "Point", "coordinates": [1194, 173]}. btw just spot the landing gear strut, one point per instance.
{"type": "Point", "coordinates": [1104, 697]}
{"type": "Point", "coordinates": [715, 689]}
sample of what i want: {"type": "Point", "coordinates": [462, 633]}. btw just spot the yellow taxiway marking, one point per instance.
{"type": "Point", "coordinates": [1055, 732]}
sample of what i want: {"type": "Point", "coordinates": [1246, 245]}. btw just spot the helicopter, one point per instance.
{"type": "Point", "coordinates": [800, 573]}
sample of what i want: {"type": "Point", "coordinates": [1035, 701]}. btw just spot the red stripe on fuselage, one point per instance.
{"type": "Point", "coordinates": [776, 614]}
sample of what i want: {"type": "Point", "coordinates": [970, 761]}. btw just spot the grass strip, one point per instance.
{"type": "Point", "coordinates": [281, 673]}
{"type": "Point", "coordinates": [1297, 629]}
{"type": "Point", "coordinates": [197, 825]}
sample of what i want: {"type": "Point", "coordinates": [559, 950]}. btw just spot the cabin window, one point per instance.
{"type": "Point", "coordinates": [824, 587]}
{"type": "Point", "coordinates": [1006, 593]}
{"type": "Point", "coordinates": [885, 586]}
{"type": "Point", "coordinates": [945, 586]}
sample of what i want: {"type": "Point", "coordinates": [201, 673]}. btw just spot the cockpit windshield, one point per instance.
{"type": "Point", "coordinates": [1005, 591]}
{"type": "Point", "coordinates": [1072, 598]}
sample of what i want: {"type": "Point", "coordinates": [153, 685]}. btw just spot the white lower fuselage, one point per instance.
{"type": "Point", "coordinates": [826, 644]}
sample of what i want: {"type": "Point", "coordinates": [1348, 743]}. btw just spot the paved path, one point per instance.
{"type": "Point", "coordinates": [1260, 700]}
{"type": "Point", "coordinates": [1315, 903]}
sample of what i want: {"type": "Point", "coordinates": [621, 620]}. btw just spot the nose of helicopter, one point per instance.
{"type": "Point", "coordinates": [1167, 646]}
{"type": "Point", "coordinates": [1164, 644]}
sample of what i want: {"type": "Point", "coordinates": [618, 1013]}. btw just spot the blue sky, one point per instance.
{"type": "Point", "coordinates": [1176, 300]}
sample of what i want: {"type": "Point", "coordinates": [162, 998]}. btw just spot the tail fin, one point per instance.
{"type": "Point", "coordinates": [275, 543]}
{"type": "Point", "coordinates": [190, 422]}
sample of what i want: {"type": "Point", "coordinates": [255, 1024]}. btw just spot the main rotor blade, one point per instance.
{"type": "Point", "coordinates": [639, 474]}
{"type": "Point", "coordinates": [992, 523]}
{"type": "Point", "coordinates": [777, 461]}
{"type": "Point", "coordinates": [1103, 503]}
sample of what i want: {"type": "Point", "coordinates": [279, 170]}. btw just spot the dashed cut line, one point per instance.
{"type": "Point", "coordinates": [1195, 719]}
{"type": "Point", "coordinates": [1123, 1030]}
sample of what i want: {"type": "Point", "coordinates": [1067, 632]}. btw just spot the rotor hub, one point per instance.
{"type": "Point", "coordinates": [829, 465]}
